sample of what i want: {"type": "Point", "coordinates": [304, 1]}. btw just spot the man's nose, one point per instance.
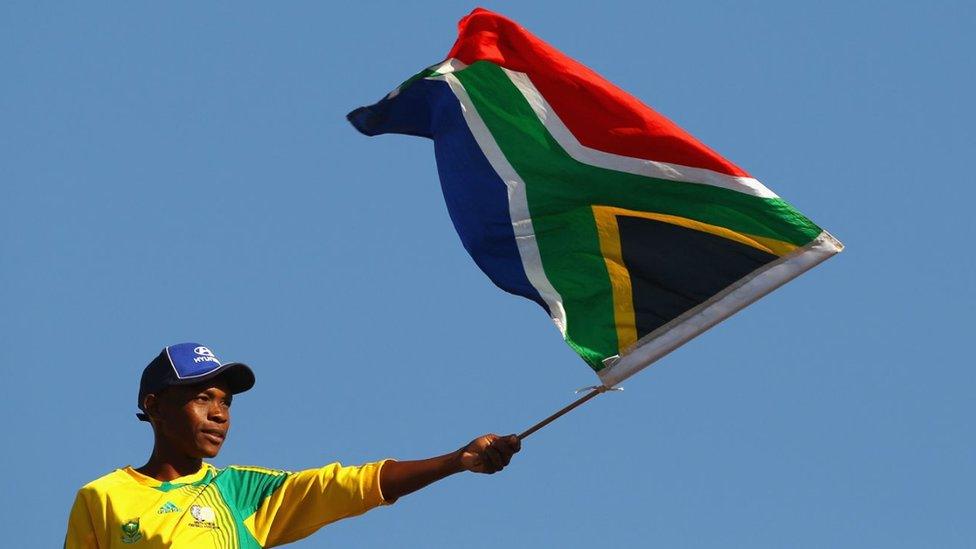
{"type": "Point", "coordinates": [219, 412]}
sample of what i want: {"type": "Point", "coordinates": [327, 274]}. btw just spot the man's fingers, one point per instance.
{"type": "Point", "coordinates": [514, 441]}
{"type": "Point", "coordinates": [491, 453]}
{"type": "Point", "coordinates": [507, 446]}
{"type": "Point", "coordinates": [494, 459]}
{"type": "Point", "coordinates": [505, 452]}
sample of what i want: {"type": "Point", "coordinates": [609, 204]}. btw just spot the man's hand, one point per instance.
{"type": "Point", "coordinates": [489, 453]}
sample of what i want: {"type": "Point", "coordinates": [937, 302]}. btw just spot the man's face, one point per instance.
{"type": "Point", "coordinates": [194, 419]}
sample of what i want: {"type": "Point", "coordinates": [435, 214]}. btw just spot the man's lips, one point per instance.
{"type": "Point", "coordinates": [214, 435]}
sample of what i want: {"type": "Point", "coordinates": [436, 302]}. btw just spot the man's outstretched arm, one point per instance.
{"type": "Point", "coordinates": [485, 454]}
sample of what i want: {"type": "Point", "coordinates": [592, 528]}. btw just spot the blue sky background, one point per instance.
{"type": "Point", "coordinates": [184, 172]}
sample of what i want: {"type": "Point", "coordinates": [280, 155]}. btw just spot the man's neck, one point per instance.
{"type": "Point", "coordinates": [166, 468]}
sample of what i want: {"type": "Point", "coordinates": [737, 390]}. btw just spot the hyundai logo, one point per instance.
{"type": "Point", "coordinates": [203, 351]}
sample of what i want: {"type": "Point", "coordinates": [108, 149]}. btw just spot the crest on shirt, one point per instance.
{"type": "Point", "coordinates": [203, 517]}
{"type": "Point", "coordinates": [130, 531]}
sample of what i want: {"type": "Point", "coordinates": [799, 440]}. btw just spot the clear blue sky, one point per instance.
{"type": "Point", "coordinates": [185, 172]}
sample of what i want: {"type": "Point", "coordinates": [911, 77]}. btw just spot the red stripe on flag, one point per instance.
{"type": "Point", "coordinates": [600, 115]}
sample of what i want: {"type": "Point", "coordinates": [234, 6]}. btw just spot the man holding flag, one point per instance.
{"type": "Point", "coordinates": [176, 499]}
{"type": "Point", "coordinates": [631, 234]}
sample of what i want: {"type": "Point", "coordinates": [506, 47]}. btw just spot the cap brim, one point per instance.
{"type": "Point", "coordinates": [239, 377]}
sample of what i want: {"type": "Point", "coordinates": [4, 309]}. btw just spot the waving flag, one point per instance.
{"type": "Point", "coordinates": [633, 235]}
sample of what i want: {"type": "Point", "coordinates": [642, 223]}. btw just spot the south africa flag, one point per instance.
{"type": "Point", "coordinates": [633, 235]}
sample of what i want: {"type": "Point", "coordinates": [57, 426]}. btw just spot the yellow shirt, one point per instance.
{"type": "Point", "coordinates": [235, 507]}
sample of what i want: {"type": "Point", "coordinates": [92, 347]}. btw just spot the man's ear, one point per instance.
{"type": "Point", "coordinates": [151, 405]}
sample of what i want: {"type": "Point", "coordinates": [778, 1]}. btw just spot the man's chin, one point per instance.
{"type": "Point", "coordinates": [208, 450]}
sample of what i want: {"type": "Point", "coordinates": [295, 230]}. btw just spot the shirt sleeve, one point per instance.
{"type": "Point", "coordinates": [81, 528]}
{"type": "Point", "coordinates": [305, 501]}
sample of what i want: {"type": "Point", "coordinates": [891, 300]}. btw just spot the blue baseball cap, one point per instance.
{"type": "Point", "coordinates": [189, 364]}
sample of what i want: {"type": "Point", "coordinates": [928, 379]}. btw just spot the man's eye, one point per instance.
{"type": "Point", "coordinates": [203, 398]}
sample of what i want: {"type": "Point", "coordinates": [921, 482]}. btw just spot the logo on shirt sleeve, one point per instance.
{"type": "Point", "coordinates": [130, 531]}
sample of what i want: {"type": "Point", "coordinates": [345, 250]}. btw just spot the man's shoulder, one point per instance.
{"type": "Point", "coordinates": [106, 482]}
{"type": "Point", "coordinates": [248, 485]}
{"type": "Point", "coordinates": [246, 470]}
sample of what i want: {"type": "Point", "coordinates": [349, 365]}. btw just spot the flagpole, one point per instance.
{"type": "Point", "coordinates": [567, 409]}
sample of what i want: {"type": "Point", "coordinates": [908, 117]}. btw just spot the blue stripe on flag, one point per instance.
{"type": "Point", "coordinates": [476, 197]}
